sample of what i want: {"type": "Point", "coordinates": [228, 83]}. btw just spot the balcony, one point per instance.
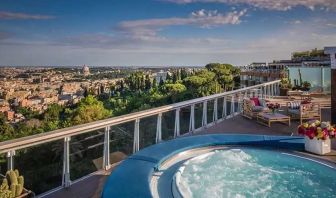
{"type": "Point", "coordinates": [75, 161]}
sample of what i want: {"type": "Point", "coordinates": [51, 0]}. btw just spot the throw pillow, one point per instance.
{"type": "Point", "coordinates": [256, 101]}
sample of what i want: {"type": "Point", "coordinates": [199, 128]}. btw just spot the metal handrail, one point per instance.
{"type": "Point", "coordinates": [41, 138]}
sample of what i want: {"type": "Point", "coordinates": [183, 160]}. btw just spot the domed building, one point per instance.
{"type": "Point", "coordinates": [86, 70]}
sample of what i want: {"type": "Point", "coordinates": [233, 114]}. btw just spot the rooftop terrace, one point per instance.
{"type": "Point", "coordinates": [82, 157]}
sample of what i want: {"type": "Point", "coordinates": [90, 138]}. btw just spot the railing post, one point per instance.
{"type": "Point", "coordinates": [158, 128]}
{"type": "Point", "coordinates": [272, 89]}
{"type": "Point", "coordinates": [278, 88]}
{"type": "Point", "coordinates": [215, 114]}
{"type": "Point", "coordinates": [232, 106]}
{"type": "Point", "coordinates": [269, 91]}
{"type": "Point", "coordinates": [225, 107]}
{"type": "Point", "coordinates": [264, 91]}
{"type": "Point", "coordinates": [106, 156]}
{"type": "Point", "coordinates": [10, 160]}
{"type": "Point", "coordinates": [136, 136]}
{"type": "Point", "coordinates": [239, 103]}
{"type": "Point", "coordinates": [177, 123]}
{"type": "Point", "coordinates": [66, 182]}
{"type": "Point", "coordinates": [205, 114]}
{"type": "Point", "coordinates": [192, 119]}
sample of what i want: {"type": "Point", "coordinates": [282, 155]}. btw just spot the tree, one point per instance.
{"type": "Point", "coordinates": [27, 113]}
{"type": "Point", "coordinates": [154, 83]}
{"type": "Point", "coordinates": [53, 113]}
{"type": "Point", "coordinates": [148, 83]}
{"type": "Point", "coordinates": [161, 83]}
{"type": "Point", "coordinates": [6, 130]}
{"type": "Point", "coordinates": [88, 110]}
{"type": "Point", "coordinates": [174, 78]}
{"type": "Point", "coordinates": [175, 91]}
{"type": "Point", "coordinates": [224, 74]}
{"type": "Point", "coordinates": [201, 84]}
{"type": "Point", "coordinates": [183, 74]}
{"type": "Point", "coordinates": [168, 77]}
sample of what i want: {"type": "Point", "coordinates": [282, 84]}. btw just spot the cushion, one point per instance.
{"type": "Point", "coordinates": [294, 105]}
{"type": "Point", "coordinates": [294, 111]}
{"type": "Point", "coordinates": [256, 101]}
{"type": "Point", "coordinates": [259, 109]}
{"type": "Point", "coordinates": [263, 102]}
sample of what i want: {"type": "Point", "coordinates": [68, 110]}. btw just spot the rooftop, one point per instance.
{"type": "Point", "coordinates": [92, 151]}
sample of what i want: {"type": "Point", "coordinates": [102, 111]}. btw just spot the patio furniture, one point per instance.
{"type": "Point", "coordinates": [299, 111]}
{"type": "Point", "coordinates": [253, 106]}
{"type": "Point", "coordinates": [266, 118]}
{"type": "Point", "coordinates": [305, 96]}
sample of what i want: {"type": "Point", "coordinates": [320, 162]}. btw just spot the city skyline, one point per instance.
{"type": "Point", "coordinates": [162, 32]}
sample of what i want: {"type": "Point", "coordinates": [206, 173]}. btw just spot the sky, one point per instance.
{"type": "Point", "coordinates": [161, 32]}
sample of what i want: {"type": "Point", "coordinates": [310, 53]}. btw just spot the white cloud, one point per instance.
{"type": "Point", "coordinates": [281, 5]}
{"type": "Point", "coordinates": [23, 16]}
{"type": "Point", "coordinates": [201, 18]}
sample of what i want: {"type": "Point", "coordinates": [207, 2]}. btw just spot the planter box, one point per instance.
{"type": "Point", "coordinates": [319, 147]}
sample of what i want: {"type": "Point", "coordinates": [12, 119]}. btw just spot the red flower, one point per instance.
{"type": "Point", "coordinates": [301, 130]}
{"type": "Point", "coordinates": [310, 133]}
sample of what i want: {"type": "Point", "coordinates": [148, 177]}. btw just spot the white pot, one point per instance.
{"type": "Point", "coordinates": [316, 146]}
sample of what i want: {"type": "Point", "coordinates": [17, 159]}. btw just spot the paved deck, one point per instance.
{"type": "Point", "coordinates": [92, 186]}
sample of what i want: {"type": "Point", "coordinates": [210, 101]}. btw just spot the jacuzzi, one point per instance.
{"type": "Point", "coordinates": [223, 166]}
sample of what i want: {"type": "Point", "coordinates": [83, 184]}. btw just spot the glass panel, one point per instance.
{"type": "Point", "coordinates": [198, 115]}
{"type": "Point", "coordinates": [41, 166]}
{"type": "Point", "coordinates": [220, 107]}
{"type": "Point", "coordinates": [86, 153]}
{"type": "Point", "coordinates": [184, 120]}
{"type": "Point", "coordinates": [310, 74]}
{"type": "Point", "coordinates": [121, 141]}
{"type": "Point", "coordinates": [228, 105]}
{"type": "Point", "coordinates": [3, 164]}
{"type": "Point", "coordinates": [147, 131]}
{"type": "Point", "coordinates": [210, 110]}
{"type": "Point", "coordinates": [326, 79]}
{"type": "Point", "coordinates": [168, 125]}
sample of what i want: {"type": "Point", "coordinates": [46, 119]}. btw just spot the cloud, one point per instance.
{"type": "Point", "coordinates": [331, 25]}
{"type": "Point", "coordinates": [22, 16]}
{"type": "Point", "coordinates": [281, 5]}
{"type": "Point", "coordinates": [148, 29]}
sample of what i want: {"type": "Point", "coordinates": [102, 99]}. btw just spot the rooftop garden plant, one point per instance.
{"type": "Point", "coordinates": [316, 129]}
{"type": "Point", "coordinates": [273, 107]}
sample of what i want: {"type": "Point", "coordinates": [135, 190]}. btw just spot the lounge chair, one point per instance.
{"type": "Point", "coordinates": [253, 106]}
{"type": "Point", "coordinates": [302, 112]}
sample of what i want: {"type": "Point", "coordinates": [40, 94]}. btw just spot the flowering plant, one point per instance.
{"type": "Point", "coordinates": [273, 107]}
{"type": "Point", "coordinates": [315, 128]}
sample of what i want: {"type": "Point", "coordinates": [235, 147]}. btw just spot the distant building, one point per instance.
{"type": "Point", "coordinates": [9, 115]}
{"type": "Point", "coordinates": [313, 66]}
{"type": "Point", "coordinates": [86, 70]}
{"type": "Point", "coordinates": [160, 75]}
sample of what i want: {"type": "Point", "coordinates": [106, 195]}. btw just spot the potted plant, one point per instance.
{"type": "Point", "coordinates": [306, 86]}
{"type": "Point", "coordinates": [317, 136]}
{"type": "Point", "coordinates": [273, 107]}
{"type": "Point", "coordinates": [13, 186]}
{"type": "Point", "coordinates": [285, 85]}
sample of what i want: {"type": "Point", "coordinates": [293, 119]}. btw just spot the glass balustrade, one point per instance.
{"type": "Point", "coordinates": [168, 125]}
{"type": "Point", "coordinates": [41, 166]}
{"type": "Point", "coordinates": [121, 141]}
{"type": "Point", "coordinates": [210, 111]}
{"type": "Point", "coordinates": [184, 120]}
{"type": "Point", "coordinates": [198, 115]}
{"type": "Point", "coordinates": [147, 131]}
{"type": "Point", "coordinates": [86, 153]}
